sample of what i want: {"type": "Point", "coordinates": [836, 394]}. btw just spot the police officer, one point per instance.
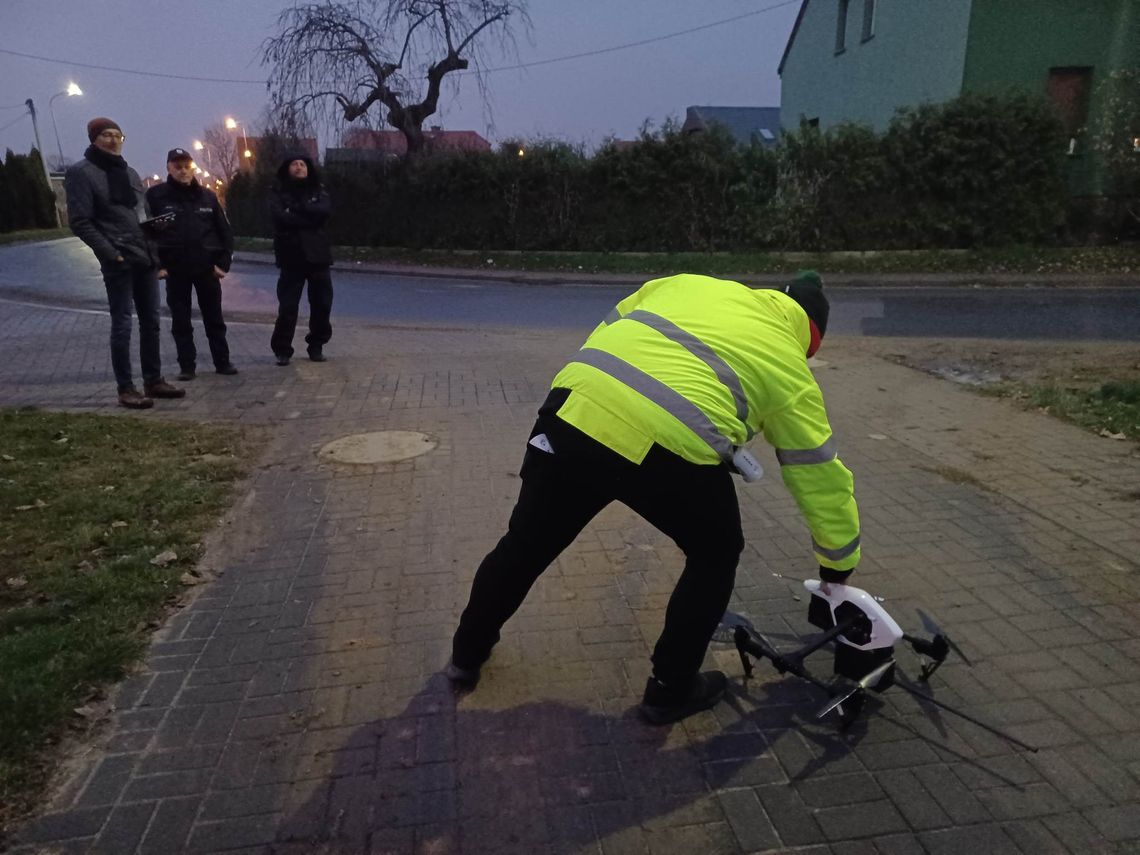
{"type": "Point", "coordinates": [195, 250]}
{"type": "Point", "coordinates": [654, 411]}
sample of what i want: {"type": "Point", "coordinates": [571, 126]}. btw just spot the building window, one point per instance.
{"type": "Point", "coordinates": [813, 122]}
{"type": "Point", "coordinates": [868, 19]}
{"type": "Point", "coordinates": [1068, 89]}
{"type": "Point", "coordinates": [841, 27]}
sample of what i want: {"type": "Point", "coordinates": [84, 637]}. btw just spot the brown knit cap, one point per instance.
{"type": "Point", "coordinates": [97, 126]}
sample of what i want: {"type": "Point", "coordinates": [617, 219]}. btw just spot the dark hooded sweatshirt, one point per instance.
{"type": "Point", "coordinates": [300, 210]}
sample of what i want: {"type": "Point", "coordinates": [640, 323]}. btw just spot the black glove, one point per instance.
{"type": "Point", "coordinates": [838, 577]}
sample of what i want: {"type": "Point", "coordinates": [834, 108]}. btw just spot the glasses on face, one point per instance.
{"type": "Point", "coordinates": [112, 135]}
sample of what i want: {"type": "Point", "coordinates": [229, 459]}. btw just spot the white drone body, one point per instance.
{"type": "Point", "coordinates": [884, 631]}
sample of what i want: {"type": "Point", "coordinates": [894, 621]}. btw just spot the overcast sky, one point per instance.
{"type": "Point", "coordinates": [581, 100]}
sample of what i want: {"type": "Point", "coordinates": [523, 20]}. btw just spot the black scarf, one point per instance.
{"type": "Point", "coordinates": [118, 180]}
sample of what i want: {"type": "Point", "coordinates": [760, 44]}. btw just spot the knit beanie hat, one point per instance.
{"type": "Point", "coordinates": [807, 290]}
{"type": "Point", "coordinates": [97, 126]}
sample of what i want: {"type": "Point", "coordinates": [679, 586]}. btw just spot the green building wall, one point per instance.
{"type": "Point", "coordinates": [917, 54]}
{"type": "Point", "coordinates": [1014, 43]}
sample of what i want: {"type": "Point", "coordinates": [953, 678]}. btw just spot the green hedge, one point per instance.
{"type": "Point", "coordinates": [26, 201]}
{"type": "Point", "coordinates": [974, 171]}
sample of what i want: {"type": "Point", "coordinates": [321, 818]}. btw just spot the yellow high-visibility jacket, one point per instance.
{"type": "Point", "coordinates": [699, 366]}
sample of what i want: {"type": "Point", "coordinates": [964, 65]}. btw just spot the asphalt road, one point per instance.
{"type": "Point", "coordinates": [65, 271]}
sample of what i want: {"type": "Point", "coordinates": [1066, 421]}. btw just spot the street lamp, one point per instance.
{"type": "Point", "coordinates": [201, 146]}
{"type": "Point", "coordinates": [72, 89]}
{"type": "Point", "coordinates": [232, 124]}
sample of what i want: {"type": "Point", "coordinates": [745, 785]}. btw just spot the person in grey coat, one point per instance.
{"type": "Point", "coordinates": [105, 206]}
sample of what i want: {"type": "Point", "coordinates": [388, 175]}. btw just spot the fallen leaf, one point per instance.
{"type": "Point", "coordinates": [188, 578]}
{"type": "Point", "coordinates": [1107, 433]}
{"type": "Point", "coordinates": [86, 711]}
{"type": "Point", "coordinates": [876, 436]}
{"type": "Point", "coordinates": [39, 503]}
{"type": "Point", "coordinates": [7, 457]}
{"type": "Point", "coordinates": [164, 558]}
{"type": "Point", "coordinates": [108, 488]}
{"type": "Point", "coordinates": [17, 582]}
{"type": "Point", "coordinates": [118, 524]}
{"type": "Point", "coordinates": [85, 567]}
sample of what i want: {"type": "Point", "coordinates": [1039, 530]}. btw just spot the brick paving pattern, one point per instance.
{"type": "Point", "coordinates": [297, 705]}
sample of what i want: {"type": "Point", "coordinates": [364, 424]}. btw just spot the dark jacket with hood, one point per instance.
{"type": "Point", "coordinates": [111, 228]}
{"type": "Point", "coordinates": [300, 210]}
{"type": "Point", "coordinates": [200, 236]}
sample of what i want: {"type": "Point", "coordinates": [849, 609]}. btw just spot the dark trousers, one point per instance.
{"type": "Point", "coordinates": [179, 286]}
{"type": "Point", "coordinates": [131, 286]}
{"type": "Point", "coordinates": [694, 505]}
{"type": "Point", "coordinates": [289, 286]}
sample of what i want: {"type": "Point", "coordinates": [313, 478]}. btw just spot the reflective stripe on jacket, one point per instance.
{"type": "Point", "coordinates": [699, 365]}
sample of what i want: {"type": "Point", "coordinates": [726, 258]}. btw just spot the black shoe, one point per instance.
{"type": "Point", "coordinates": [228, 369]}
{"type": "Point", "coordinates": [663, 705]}
{"type": "Point", "coordinates": [186, 375]}
{"type": "Point", "coordinates": [461, 678]}
{"type": "Point", "coordinates": [282, 359]}
{"type": "Point", "coordinates": [317, 356]}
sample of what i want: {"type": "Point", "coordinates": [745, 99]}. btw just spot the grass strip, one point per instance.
{"type": "Point", "coordinates": [88, 507]}
{"type": "Point", "coordinates": [1122, 260]}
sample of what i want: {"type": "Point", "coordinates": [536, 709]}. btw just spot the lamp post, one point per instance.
{"type": "Point", "coordinates": [43, 160]}
{"type": "Point", "coordinates": [72, 89]}
{"type": "Point", "coordinates": [201, 146]}
{"type": "Point", "coordinates": [231, 124]}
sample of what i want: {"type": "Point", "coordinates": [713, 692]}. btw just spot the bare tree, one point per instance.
{"type": "Point", "coordinates": [221, 148]}
{"type": "Point", "coordinates": [340, 59]}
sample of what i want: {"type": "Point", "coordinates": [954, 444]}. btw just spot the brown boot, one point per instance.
{"type": "Point", "coordinates": [132, 400]}
{"type": "Point", "coordinates": [162, 389]}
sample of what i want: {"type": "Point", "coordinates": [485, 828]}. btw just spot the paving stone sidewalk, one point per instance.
{"type": "Point", "coordinates": [297, 705]}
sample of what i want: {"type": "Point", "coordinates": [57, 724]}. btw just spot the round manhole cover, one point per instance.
{"type": "Point", "coordinates": [383, 446]}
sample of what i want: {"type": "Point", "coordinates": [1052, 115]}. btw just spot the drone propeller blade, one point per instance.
{"type": "Point", "coordinates": [726, 629]}
{"type": "Point", "coordinates": [837, 701]}
{"type": "Point", "coordinates": [871, 678]}
{"type": "Point", "coordinates": [957, 650]}
{"type": "Point", "coordinates": [931, 626]}
{"type": "Point", "coordinates": [868, 681]}
{"type": "Point", "coordinates": [928, 623]}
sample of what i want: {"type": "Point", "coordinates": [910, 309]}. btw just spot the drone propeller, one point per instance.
{"type": "Point", "coordinates": [940, 638]}
{"type": "Point", "coordinates": [725, 632]}
{"type": "Point", "coordinates": [867, 681]}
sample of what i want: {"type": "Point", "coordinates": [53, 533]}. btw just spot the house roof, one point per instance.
{"type": "Point", "coordinates": [792, 37]}
{"type": "Point", "coordinates": [742, 122]}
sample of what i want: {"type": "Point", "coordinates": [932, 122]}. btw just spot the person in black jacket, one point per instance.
{"type": "Point", "coordinates": [300, 207]}
{"type": "Point", "coordinates": [105, 205]}
{"type": "Point", "coordinates": [195, 250]}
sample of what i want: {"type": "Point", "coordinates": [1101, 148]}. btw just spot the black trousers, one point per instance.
{"type": "Point", "coordinates": [180, 284]}
{"type": "Point", "coordinates": [561, 492]}
{"type": "Point", "coordinates": [290, 284]}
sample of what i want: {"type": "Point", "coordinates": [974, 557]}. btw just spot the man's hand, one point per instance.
{"type": "Point", "coordinates": [162, 273]}
{"type": "Point", "coordinates": [119, 259]}
{"type": "Point", "coordinates": [219, 273]}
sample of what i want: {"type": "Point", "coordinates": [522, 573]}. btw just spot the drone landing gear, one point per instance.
{"type": "Point", "coordinates": [847, 703]}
